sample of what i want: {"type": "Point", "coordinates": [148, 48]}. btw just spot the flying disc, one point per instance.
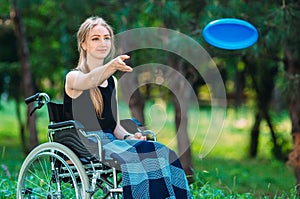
{"type": "Point", "coordinates": [230, 33]}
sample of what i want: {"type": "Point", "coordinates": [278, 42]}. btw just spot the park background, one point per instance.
{"type": "Point", "coordinates": [249, 160]}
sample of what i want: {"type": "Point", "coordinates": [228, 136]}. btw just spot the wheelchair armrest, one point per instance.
{"type": "Point", "coordinates": [149, 134]}
{"type": "Point", "coordinates": [130, 125]}
{"type": "Point", "coordinates": [68, 123]}
{"type": "Point", "coordinates": [133, 125]}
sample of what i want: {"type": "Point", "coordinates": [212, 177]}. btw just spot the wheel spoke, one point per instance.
{"type": "Point", "coordinates": [35, 171]}
{"type": "Point", "coordinates": [45, 174]}
{"type": "Point", "coordinates": [45, 164]}
{"type": "Point", "coordinates": [35, 193]}
{"type": "Point", "coordinates": [35, 184]}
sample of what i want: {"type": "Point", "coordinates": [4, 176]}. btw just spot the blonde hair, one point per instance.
{"type": "Point", "coordinates": [82, 34]}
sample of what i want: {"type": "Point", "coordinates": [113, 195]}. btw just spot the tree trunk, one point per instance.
{"type": "Point", "coordinates": [239, 88]}
{"type": "Point", "coordinates": [292, 66]}
{"type": "Point", "coordinates": [137, 105]}
{"type": "Point", "coordinates": [277, 152]}
{"type": "Point", "coordinates": [25, 69]}
{"type": "Point", "coordinates": [184, 150]}
{"type": "Point", "coordinates": [132, 96]}
{"type": "Point", "coordinates": [255, 135]}
{"type": "Point", "coordinates": [22, 127]}
{"type": "Point", "coordinates": [263, 86]}
{"type": "Point", "coordinates": [181, 117]}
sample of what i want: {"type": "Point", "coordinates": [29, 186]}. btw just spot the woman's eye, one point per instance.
{"type": "Point", "coordinates": [107, 38]}
{"type": "Point", "coordinates": [95, 39]}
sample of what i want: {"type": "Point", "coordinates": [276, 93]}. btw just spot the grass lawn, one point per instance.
{"type": "Point", "coordinates": [225, 167]}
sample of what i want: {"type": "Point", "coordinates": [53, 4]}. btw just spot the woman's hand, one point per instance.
{"type": "Point", "coordinates": [137, 136]}
{"type": "Point", "coordinates": [119, 64]}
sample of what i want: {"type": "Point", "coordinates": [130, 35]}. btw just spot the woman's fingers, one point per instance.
{"type": "Point", "coordinates": [139, 136]}
{"type": "Point", "coordinates": [126, 68]}
{"type": "Point", "coordinates": [124, 57]}
{"type": "Point", "coordinates": [121, 65]}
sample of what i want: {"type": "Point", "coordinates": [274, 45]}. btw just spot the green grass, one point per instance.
{"type": "Point", "coordinates": [225, 172]}
{"type": "Point", "coordinates": [227, 167]}
{"type": "Point", "coordinates": [258, 177]}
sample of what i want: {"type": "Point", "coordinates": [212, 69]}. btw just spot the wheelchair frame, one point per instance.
{"type": "Point", "coordinates": [64, 167]}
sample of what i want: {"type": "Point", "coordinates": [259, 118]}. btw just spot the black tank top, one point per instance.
{"type": "Point", "coordinates": [82, 109]}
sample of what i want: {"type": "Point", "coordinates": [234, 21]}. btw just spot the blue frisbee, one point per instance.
{"type": "Point", "coordinates": [230, 34]}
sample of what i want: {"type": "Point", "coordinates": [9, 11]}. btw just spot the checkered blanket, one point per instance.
{"type": "Point", "coordinates": [149, 170]}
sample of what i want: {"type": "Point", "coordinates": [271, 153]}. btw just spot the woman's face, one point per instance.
{"type": "Point", "coordinates": [98, 43]}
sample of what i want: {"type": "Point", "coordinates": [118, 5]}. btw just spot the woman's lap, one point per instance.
{"type": "Point", "coordinates": [146, 164]}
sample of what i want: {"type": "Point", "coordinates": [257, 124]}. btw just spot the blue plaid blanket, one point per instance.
{"type": "Point", "coordinates": [149, 170]}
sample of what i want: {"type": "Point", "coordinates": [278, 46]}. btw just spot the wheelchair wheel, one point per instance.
{"type": "Point", "coordinates": [52, 170]}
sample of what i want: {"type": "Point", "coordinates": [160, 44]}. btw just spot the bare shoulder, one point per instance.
{"type": "Point", "coordinates": [72, 74]}
{"type": "Point", "coordinates": [70, 84]}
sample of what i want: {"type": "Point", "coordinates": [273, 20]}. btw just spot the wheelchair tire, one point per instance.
{"type": "Point", "coordinates": [52, 170]}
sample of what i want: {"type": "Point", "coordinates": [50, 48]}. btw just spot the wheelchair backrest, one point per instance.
{"type": "Point", "coordinates": [68, 134]}
{"type": "Point", "coordinates": [55, 112]}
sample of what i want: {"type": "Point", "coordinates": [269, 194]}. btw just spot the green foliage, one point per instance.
{"type": "Point", "coordinates": [51, 32]}
{"type": "Point", "coordinates": [8, 51]}
{"type": "Point", "coordinates": [7, 187]}
{"type": "Point", "coordinates": [53, 50]}
{"type": "Point", "coordinates": [10, 79]}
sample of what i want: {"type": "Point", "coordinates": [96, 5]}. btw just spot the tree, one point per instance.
{"type": "Point", "coordinates": [279, 43]}
{"type": "Point", "coordinates": [264, 87]}
{"type": "Point", "coordinates": [164, 14]}
{"type": "Point", "coordinates": [26, 70]}
{"type": "Point", "coordinates": [52, 50]}
{"type": "Point", "coordinates": [289, 17]}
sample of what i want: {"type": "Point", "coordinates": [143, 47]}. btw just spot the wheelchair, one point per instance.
{"type": "Point", "coordinates": [69, 165]}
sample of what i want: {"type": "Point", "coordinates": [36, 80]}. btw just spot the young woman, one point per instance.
{"type": "Point", "coordinates": [150, 170]}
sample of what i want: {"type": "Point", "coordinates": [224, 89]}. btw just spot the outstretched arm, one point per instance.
{"type": "Point", "coordinates": [77, 81]}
